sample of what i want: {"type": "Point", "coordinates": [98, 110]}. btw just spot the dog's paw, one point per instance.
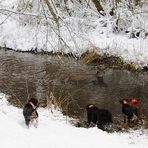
{"type": "Point", "coordinates": [35, 123]}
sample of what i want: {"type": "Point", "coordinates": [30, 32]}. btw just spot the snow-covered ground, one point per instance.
{"type": "Point", "coordinates": [20, 30]}
{"type": "Point", "coordinates": [23, 27]}
{"type": "Point", "coordinates": [55, 131]}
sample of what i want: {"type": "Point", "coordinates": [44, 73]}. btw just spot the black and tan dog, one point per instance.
{"type": "Point", "coordinates": [101, 117]}
{"type": "Point", "coordinates": [30, 112]}
{"type": "Point", "coordinates": [132, 111]}
{"type": "Point", "coordinates": [127, 110]}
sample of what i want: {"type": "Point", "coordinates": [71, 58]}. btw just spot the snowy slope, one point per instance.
{"type": "Point", "coordinates": [23, 27]}
{"type": "Point", "coordinates": [55, 131]}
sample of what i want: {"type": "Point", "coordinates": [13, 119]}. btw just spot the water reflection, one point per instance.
{"type": "Point", "coordinates": [24, 75]}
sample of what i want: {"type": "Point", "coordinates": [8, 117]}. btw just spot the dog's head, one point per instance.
{"type": "Point", "coordinates": [89, 106]}
{"type": "Point", "coordinates": [34, 101]}
{"type": "Point", "coordinates": [124, 101]}
{"type": "Point", "coordinates": [133, 101]}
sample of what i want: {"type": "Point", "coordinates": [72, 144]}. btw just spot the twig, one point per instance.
{"type": "Point", "coordinates": [20, 103]}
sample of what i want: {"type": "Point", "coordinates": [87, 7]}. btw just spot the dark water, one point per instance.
{"type": "Point", "coordinates": [73, 84]}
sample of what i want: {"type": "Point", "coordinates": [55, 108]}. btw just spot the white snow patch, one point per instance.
{"type": "Point", "coordinates": [55, 131]}
{"type": "Point", "coordinates": [81, 30]}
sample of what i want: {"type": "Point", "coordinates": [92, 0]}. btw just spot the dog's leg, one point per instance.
{"type": "Point", "coordinates": [36, 122]}
{"type": "Point", "coordinates": [27, 122]}
{"type": "Point", "coordinates": [124, 118]}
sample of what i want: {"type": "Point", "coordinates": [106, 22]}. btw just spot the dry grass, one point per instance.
{"type": "Point", "coordinates": [59, 100]}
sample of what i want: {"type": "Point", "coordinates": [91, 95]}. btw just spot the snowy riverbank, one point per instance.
{"type": "Point", "coordinates": [55, 131]}
{"type": "Point", "coordinates": [26, 29]}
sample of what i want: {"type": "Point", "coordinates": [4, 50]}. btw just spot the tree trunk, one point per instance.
{"type": "Point", "coordinates": [137, 2]}
{"type": "Point", "coordinates": [52, 11]}
{"type": "Point", "coordinates": [97, 5]}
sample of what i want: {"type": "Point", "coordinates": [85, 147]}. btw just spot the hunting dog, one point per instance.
{"type": "Point", "coordinates": [30, 112]}
{"type": "Point", "coordinates": [100, 117]}
{"type": "Point", "coordinates": [131, 110]}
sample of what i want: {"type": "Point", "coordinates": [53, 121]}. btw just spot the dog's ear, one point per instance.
{"type": "Point", "coordinates": [87, 107]}
{"type": "Point", "coordinates": [120, 101]}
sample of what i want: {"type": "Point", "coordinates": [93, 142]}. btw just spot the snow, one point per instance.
{"type": "Point", "coordinates": [55, 131]}
{"type": "Point", "coordinates": [25, 28]}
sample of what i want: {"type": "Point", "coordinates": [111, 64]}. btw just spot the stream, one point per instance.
{"type": "Point", "coordinates": [68, 81]}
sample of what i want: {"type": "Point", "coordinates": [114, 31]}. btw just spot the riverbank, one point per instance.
{"type": "Point", "coordinates": [28, 30]}
{"type": "Point", "coordinates": [92, 58]}
{"type": "Point", "coordinates": [54, 130]}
